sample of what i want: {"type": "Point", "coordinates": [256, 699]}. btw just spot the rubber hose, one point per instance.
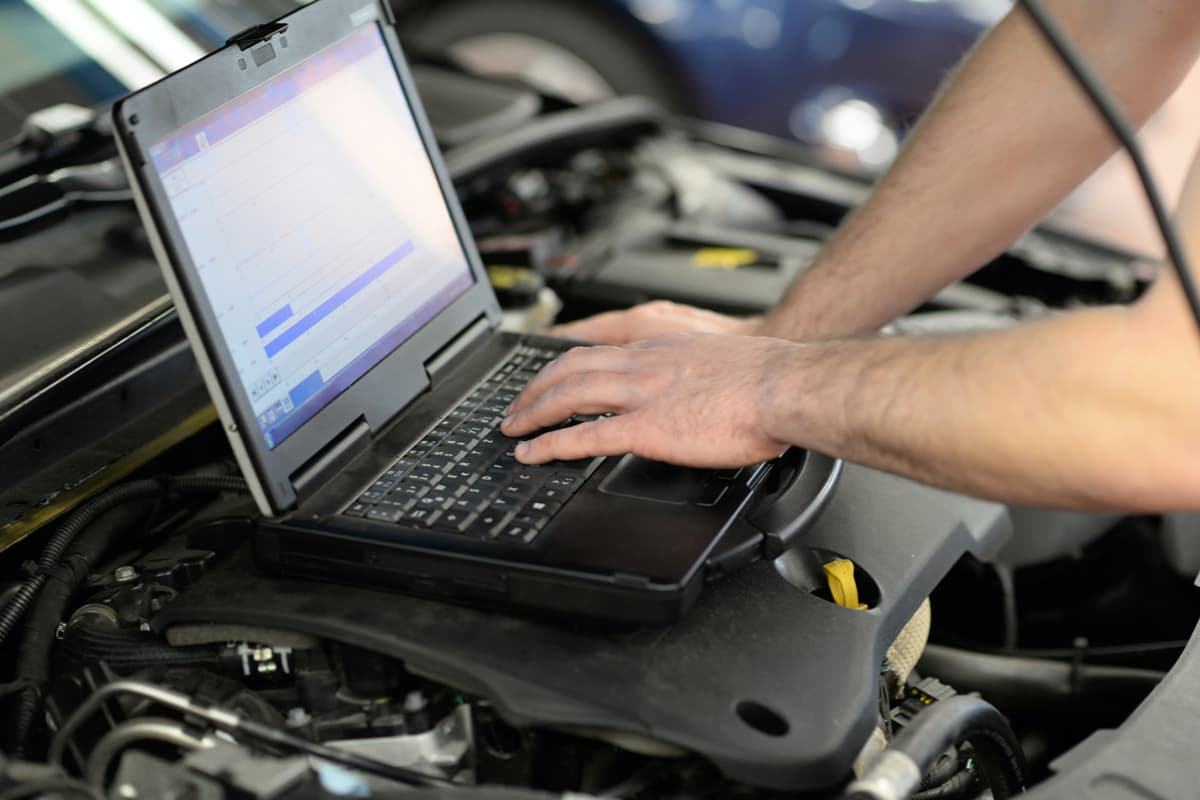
{"type": "Point", "coordinates": [897, 771]}
{"type": "Point", "coordinates": [960, 787]}
{"type": "Point", "coordinates": [1021, 684]}
{"type": "Point", "coordinates": [77, 520]}
{"type": "Point", "coordinates": [128, 650]}
{"type": "Point", "coordinates": [967, 719]}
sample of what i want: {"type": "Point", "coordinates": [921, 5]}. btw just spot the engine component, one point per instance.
{"type": "Point", "coordinates": [896, 773]}
{"type": "Point", "coordinates": [229, 722]}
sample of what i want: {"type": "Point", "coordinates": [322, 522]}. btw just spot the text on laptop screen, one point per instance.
{"type": "Point", "coordinates": [317, 227]}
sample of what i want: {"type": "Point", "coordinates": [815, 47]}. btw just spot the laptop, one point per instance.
{"type": "Point", "coordinates": [345, 328]}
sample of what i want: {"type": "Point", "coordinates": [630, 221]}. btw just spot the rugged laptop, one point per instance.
{"type": "Point", "coordinates": [346, 330]}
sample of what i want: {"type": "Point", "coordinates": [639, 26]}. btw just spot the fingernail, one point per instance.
{"type": "Point", "coordinates": [522, 448]}
{"type": "Point", "coordinates": [504, 423]}
{"type": "Point", "coordinates": [508, 408]}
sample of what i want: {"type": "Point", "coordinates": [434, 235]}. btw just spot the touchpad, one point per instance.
{"type": "Point", "coordinates": [654, 480]}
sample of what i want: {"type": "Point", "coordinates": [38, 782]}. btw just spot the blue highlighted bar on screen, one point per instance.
{"type": "Point", "coordinates": [337, 300]}
{"type": "Point", "coordinates": [274, 321]}
{"type": "Point", "coordinates": [306, 389]}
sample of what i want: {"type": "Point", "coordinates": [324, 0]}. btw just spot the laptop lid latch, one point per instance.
{"type": "Point", "coordinates": [257, 34]}
{"type": "Point", "coordinates": [332, 458]}
{"type": "Point", "coordinates": [460, 344]}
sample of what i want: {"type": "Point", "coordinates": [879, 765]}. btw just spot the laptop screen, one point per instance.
{"type": "Point", "coordinates": [316, 224]}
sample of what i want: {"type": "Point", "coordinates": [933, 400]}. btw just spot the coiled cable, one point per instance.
{"type": "Point", "coordinates": [84, 514]}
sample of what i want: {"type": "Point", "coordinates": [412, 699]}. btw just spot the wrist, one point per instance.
{"type": "Point", "coordinates": [794, 397]}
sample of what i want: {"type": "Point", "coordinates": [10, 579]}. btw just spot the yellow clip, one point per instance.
{"type": "Point", "coordinates": [505, 277]}
{"type": "Point", "coordinates": [723, 258]}
{"type": "Point", "coordinates": [843, 588]}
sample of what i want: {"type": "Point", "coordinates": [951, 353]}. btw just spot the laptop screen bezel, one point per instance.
{"type": "Point", "coordinates": [161, 109]}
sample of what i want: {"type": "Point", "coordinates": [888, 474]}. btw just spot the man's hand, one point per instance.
{"type": "Point", "coordinates": [690, 399]}
{"type": "Point", "coordinates": [651, 320]}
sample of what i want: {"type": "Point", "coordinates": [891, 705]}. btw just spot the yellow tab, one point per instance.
{"type": "Point", "coordinates": [843, 588]}
{"type": "Point", "coordinates": [723, 258]}
{"type": "Point", "coordinates": [505, 277]}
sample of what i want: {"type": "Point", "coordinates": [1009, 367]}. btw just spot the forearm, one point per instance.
{"type": "Point", "coordinates": [1081, 411]}
{"type": "Point", "coordinates": [1008, 138]}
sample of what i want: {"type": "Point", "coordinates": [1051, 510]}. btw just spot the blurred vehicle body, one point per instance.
{"type": "Point", "coordinates": [845, 74]}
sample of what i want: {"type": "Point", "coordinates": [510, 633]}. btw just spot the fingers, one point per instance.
{"type": "Point", "coordinates": [609, 436]}
{"type": "Point", "coordinates": [583, 393]}
{"type": "Point", "coordinates": [573, 362]}
{"type": "Point", "coordinates": [611, 327]}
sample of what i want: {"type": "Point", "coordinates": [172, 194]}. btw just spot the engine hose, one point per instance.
{"type": "Point", "coordinates": [83, 515]}
{"type": "Point", "coordinates": [127, 650]}
{"type": "Point", "coordinates": [960, 787]}
{"type": "Point", "coordinates": [896, 773]}
{"type": "Point", "coordinates": [1041, 685]}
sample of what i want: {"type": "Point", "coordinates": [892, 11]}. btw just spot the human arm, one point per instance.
{"type": "Point", "coordinates": [1093, 409]}
{"type": "Point", "coordinates": [1005, 142]}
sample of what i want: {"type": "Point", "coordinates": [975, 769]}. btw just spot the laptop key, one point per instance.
{"type": "Point", "coordinates": [402, 503]}
{"type": "Point", "coordinates": [517, 533]}
{"type": "Point", "coordinates": [439, 463]}
{"type": "Point", "coordinates": [462, 505]}
{"type": "Point", "coordinates": [518, 492]}
{"type": "Point", "coordinates": [419, 517]}
{"type": "Point", "coordinates": [456, 521]}
{"type": "Point", "coordinates": [490, 480]}
{"type": "Point", "coordinates": [546, 507]}
{"type": "Point", "coordinates": [528, 477]}
{"type": "Point", "coordinates": [552, 494]}
{"type": "Point", "coordinates": [564, 480]}
{"type": "Point", "coordinates": [386, 514]}
{"type": "Point", "coordinates": [488, 522]}
{"type": "Point", "coordinates": [357, 509]}
{"type": "Point", "coordinates": [533, 520]}
{"type": "Point", "coordinates": [423, 474]}
{"type": "Point", "coordinates": [506, 502]}
{"type": "Point", "coordinates": [480, 493]}
{"type": "Point", "coordinates": [451, 488]}
{"type": "Point", "coordinates": [409, 489]}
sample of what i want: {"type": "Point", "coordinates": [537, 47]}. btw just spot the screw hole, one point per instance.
{"type": "Point", "coordinates": [762, 719]}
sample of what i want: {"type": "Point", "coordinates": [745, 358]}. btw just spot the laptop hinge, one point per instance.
{"type": "Point", "coordinates": [480, 328]}
{"type": "Point", "coordinates": [332, 458]}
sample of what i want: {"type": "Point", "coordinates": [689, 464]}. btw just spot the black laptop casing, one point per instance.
{"type": "Point", "coordinates": [608, 554]}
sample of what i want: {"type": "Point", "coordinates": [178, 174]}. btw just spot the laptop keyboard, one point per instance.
{"type": "Point", "coordinates": [463, 477]}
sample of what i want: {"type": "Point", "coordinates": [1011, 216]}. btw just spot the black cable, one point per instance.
{"type": "Point", "coordinates": [84, 514]}
{"type": "Point", "coordinates": [34, 657]}
{"type": "Point", "coordinates": [1121, 128]}
{"type": "Point", "coordinates": [1041, 685]}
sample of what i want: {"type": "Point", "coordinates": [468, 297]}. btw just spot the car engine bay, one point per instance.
{"type": "Point", "coordinates": [145, 655]}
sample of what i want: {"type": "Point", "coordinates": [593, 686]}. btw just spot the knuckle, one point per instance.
{"type": "Point", "coordinates": [658, 307]}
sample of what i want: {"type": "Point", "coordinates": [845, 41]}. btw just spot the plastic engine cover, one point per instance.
{"type": "Point", "coordinates": [773, 684]}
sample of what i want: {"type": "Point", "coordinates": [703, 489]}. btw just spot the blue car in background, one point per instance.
{"type": "Point", "coordinates": [847, 75]}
